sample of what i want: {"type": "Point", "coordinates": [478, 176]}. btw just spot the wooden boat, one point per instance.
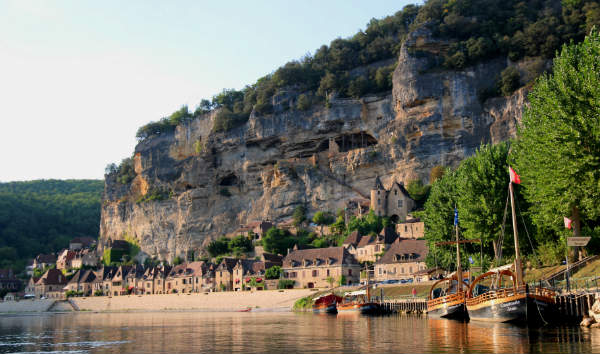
{"type": "Point", "coordinates": [451, 305]}
{"type": "Point", "coordinates": [515, 303]}
{"type": "Point", "coordinates": [358, 301]}
{"type": "Point", "coordinates": [326, 304]}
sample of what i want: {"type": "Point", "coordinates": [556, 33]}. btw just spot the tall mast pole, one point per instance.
{"type": "Point", "coordinates": [518, 269]}
{"type": "Point", "coordinates": [458, 266]}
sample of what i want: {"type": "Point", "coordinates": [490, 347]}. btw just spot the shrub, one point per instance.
{"type": "Point", "coordinates": [551, 253]}
{"type": "Point", "coordinates": [273, 273]}
{"type": "Point", "coordinates": [509, 80]}
{"type": "Point", "coordinates": [285, 283]}
{"type": "Point", "coordinates": [98, 293]}
{"type": "Point", "coordinates": [303, 103]}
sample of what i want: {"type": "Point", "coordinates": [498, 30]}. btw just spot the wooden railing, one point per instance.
{"type": "Point", "coordinates": [448, 298]}
{"type": "Point", "coordinates": [496, 294]}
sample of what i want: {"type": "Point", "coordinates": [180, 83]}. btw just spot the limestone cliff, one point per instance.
{"type": "Point", "coordinates": [320, 158]}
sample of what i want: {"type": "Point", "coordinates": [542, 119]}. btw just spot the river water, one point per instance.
{"type": "Point", "coordinates": [201, 332]}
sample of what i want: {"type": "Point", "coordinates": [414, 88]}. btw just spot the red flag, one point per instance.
{"type": "Point", "coordinates": [567, 223]}
{"type": "Point", "coordinates": [514, 177]}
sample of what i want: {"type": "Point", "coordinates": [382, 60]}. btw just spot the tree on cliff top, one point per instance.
{"type": "Point", "coordinates": [558, 151]}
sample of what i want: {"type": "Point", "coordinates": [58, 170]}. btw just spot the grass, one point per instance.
{"type": "Point", "coordinates": [536, 274]}
{"type": "Point", "coordinates": [590, 270]}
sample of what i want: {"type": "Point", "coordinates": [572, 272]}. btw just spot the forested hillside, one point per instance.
{"type": "Point", "coordinates": [42, 216]}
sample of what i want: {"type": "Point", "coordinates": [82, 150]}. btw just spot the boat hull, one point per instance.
{"type": "Point", "coordinates": [330, 308]}
{"type": "Point", "coordinates": [455, 310]}
{"type": "Point", "coordinates": [363, 308]}
{"type": "Point", "coordinates": [520, 308]}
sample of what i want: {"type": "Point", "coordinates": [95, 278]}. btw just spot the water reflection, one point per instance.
{"type": "Point", "coordinates": [198, 332]}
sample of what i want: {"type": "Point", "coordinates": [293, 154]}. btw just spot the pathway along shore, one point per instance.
{"type": "Point", "coordinates": [267, 300]}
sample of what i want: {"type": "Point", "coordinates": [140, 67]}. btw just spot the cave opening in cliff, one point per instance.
{"type": "Point", "coordinates": [229, 180]}
{"type": "Point", "coordinates": [351, 141]}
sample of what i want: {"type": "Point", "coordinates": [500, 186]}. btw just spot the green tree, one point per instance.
{"type": "Point", "coordinates": [509, 80]}
{"type": "Point", "coordinates": [177, 261]}
{"type": "Point", "coordinates": [303, 102]}
{"type": "Point", "coordinates": [330, 280]}
{"type": "Point", "coordinates": [273, 273]}
{"type": "Point", "coordinates": [482, 187]}
{"type": "Point", "coordinates": [218, 247]}
{"type": "Point", "coordinates": [299, 215]}
{"type": "Point", "coordinates": [558, 151]}
{"type": "Point", "coordinates": [322, 218]}
{"type": "Point", "coordinates": [278, 241]}
{"type": "Point", "coordinates": [418, 191]}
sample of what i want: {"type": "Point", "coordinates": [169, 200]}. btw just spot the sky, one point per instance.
{"type": "Point", "coordinates": [79, 77]}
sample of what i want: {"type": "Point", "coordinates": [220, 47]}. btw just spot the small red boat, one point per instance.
{"type": "Point", "coordinates": [326, 304]}
{"type": "Point", "coordinates": [246, 310]}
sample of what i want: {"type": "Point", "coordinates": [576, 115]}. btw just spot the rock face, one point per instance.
{"type": "Point", "coordinates": [319, 158]}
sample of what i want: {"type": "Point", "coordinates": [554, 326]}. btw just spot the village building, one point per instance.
{"type": "Point", "coordinates": [84, 258]}
{"type": "Point", "coordinates": [134, 280]}
{"type": "Point", "coordinates": [224, 274]}
{"type": "Point", "coordinates": [180, 279]}
{"type": "Point", "coordinates": [9, 281]}
{"type": "Point", "coordinates": [203, 276]}
{"type": "Point", "coordinates": [82, 281]}
{"type": "Point", "coordinates": [429, 274]}
{"type": "Point", "coordinates": [402, 260]}
{"type": "Point", "coordinates": [412, 228]}
{"type": "Point", "coordinates": [315, 268]}
{"type": "Point", "coordinates": [258, 228]}
{"type": "Point", "coordinates": [394, 202]}
{"type": "Point", "coordinates": [65, 258]}
{"type": "Point", "coordinates": [79, 243]}
{"type": "Point", "coordinates": [154, 279]}
{"type": "Point", "coordinates": [30, 287]}
{"type": "Point", "coordinates": [103, 277]}
{"type": "Point", "coordinates": [51, 284]}
{"type": "Point", "coordinates": [370, 248]}
{"type": "Point", "coordinates": [42, 261]}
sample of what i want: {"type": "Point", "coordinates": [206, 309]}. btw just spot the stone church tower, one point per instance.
{"type": "Point", "coordinates": [395, 202]}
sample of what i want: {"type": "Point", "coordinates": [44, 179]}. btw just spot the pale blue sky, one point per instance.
{"type": "Point", "coordinates": [77, 78]}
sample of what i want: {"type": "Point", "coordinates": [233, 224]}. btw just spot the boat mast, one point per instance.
{"type": "Point", "coordinates": [518, 268]}
{"type": "Point", "coordinates": [458, 266]}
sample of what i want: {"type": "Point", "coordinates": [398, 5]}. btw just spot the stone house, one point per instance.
{"type": "Point", "coordinates": [246, 269]}
{"type": "Point", "coordinates": [370, 248]}
{"type": "Point", "coordinates": [395, 202]}
{"type": "Point", "coordinates": [51, 284]}
{"type": "Point", "coordinates": [154, 279]}
{"type": "Point", "coordinates": [79, 243]}
{"type": "Point", "coordinates": [9, 281]}
{"type": "Point", "coordinates": [30, 287]}
{"type": "Point", "coordinates": [411, 229]}
{"type": "Point", "coordinates": [82, 281]}
{"type": "Point", "coordinates": [116, 285]}
{"type": "Point", "coordinates": [429, 274]}
{"type": "Point", "coordinates": [224, 274]}
{"type": "Point", "coordinates": [311, 268]}
{"type": "Point", "coordinates": [180, 279]}
{"type": "Point", "coordinates": [42, 261]}
{"type": "Point", "coordinates": [402, 260]}
{"type": "Point", "coordinates": [85, 257]}
{"type": "Point", "coordinates": [134, 279]}
{"type": "Point", "coordinates": [65, 258]}
{"type": "Point", "coordinates": [103, 279]}
{"type": "Point", "coordinates": [203, 276]}
{"type": "Point", "coordinates": [258, 228]}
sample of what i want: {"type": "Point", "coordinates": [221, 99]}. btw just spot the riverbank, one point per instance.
{"type": "Point", "coordinates": [268, 300]}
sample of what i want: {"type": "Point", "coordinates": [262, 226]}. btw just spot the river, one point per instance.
{"type": "Point", "coordinates": [202, 332]}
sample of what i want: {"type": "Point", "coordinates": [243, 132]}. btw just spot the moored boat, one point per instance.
{"type": "Point", "coordinates": [451, 305]}
{"type": "Point", "coordinates": [517, 302]}
{"type": "Point", "coordinates": [326, 304]}
{"type": "Point", "coordinates": [358, 301]}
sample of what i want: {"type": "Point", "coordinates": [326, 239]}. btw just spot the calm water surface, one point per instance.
{"type": "Point", "coordinates": [198, 332]}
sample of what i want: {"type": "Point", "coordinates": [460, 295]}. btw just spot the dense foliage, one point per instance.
{"type": "Point", "coordinates": [558, 151]}
{"type": "Point", "coordinates": [236, 246]}
{"type": "Point", "coordinates": [476, 30]}
{"type": "Point", "coordinates": [43, 216]}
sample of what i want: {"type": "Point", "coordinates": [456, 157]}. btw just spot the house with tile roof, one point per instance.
{"type": "Point", "coordinates": [8, 280]}
{"type": "Point", "coordinates": [83, 281]}
{"type": "Point", "coordinates": [79, 243]}
{"type": "Point", "coordinates": [404, 259]}
{"type": "Point", "coordinates": [42, 261]}
{"type": "Point", "coordinates": [224, 274]}
{"type": "Point", "coordinates": [311, 268]}
{"type": "Point", "coordinates": [51, 284]}
{"type": "Point", "coordinates": [371, 247]}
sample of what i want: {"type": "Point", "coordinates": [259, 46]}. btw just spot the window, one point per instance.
{"type": "Point", "coordinates": [402, 270]}
{"type": "Point", "coordinates": [349, 271]}
{"type": "Point", "coordinates": [410, 269]}
{"type": "Point", "coordinates": [378, 192]}
{"type": "Point", "coordinates": [315, 273]}
{"type": "Point", "coordinates": [327, 272]}
{"type": "Point", "coordinates": [380, 271]}
{"type": "Point", "coordinates": [395, 192]}
{"type": "Point", "coordinates": [377, 248]}
{"type": "Point", "coordinates": [378, 201]}
{"type": "Point", "coordinates": [399, 203]}
{"type": "Point", "coordinates": [159, 282]}
{"type": "Point", "coordinates": [405, 228]}
{"type": "Point", "coordinates": [182, 281]}
{"type": "Point", "coordinates": [147, 285]}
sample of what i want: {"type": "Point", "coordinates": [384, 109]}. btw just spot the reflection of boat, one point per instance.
{"type": "Point", "coordinates": [358, 301]}
{"type": "Point", "coordinates": [246, 309]}
{"type": "Point", "coordinates": [515, 303]}
{"type": "Point", "coordinates": [326, 304]}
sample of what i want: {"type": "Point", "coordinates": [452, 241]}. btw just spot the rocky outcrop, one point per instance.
{"type": "Point", "coordinates": [319, 158]}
